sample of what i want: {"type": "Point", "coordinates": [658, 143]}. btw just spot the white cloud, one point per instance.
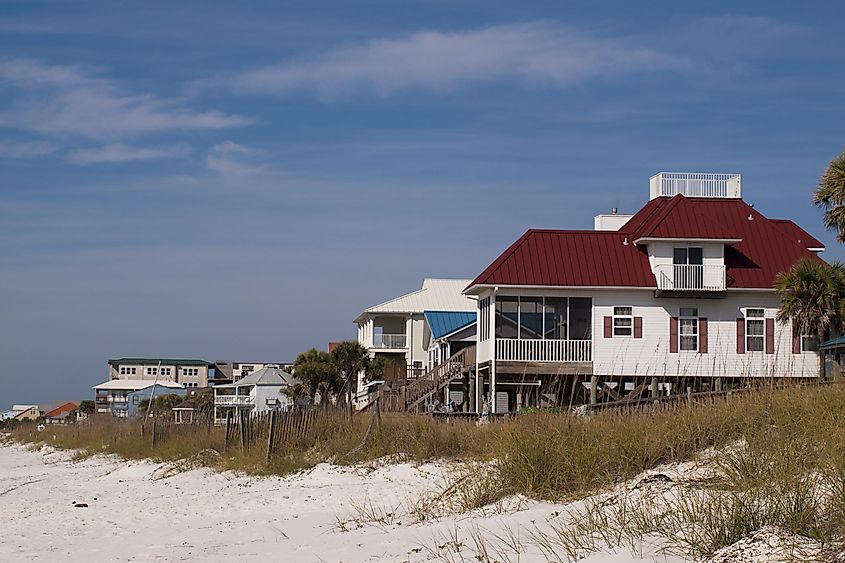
{"type": "Point", "coordinates": [234, 162]}
{"type": "Point", "coordinates": [119, 152]}
{"type": "Point", "coordinates": [25, 149]}
{"type": "Point", "coordinates": [56, 99]}
{"type": "Point", "coordinates": [434, 60]}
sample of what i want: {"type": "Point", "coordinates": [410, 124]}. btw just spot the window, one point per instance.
{"type": "Point", "coordinates": [755, 330]}
{"type": "Point", "coordinates": [165, 371]}
{"type": "Point", "coordinates": [809, 343]}
{"type": "Point", "coordinates": [530, 318]}
{"type": "Point", "coordinates": [484, 314]}
{"type": "Point", "coordinates": [688, 328]}
{"type": "Point", "coordinates": [507, 317]}
{"type": "Point", "coordinates": [623, 321]}
{"type": "Point", "coordinates": [151, 371]}
{"type": "Point", "coordinates": [123, 371]}
{"type": "Point", "coordinates": [133, 371]}
{"type": "Point", "coordinates": [688, 268]}
{"type": "Point", "coordinates": [556, 318]}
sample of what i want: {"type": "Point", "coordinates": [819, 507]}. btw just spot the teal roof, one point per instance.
{"type": "Point", "coordinates": [442, 323]}
{"type": "Point", "coordinates": [835, 343]}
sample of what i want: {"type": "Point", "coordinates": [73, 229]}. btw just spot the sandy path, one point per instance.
{"type": "Point", "coordinates": [135, 515]}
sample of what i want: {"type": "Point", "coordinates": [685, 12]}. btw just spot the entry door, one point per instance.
{"type": "Point", "coordinates": [689, 267]}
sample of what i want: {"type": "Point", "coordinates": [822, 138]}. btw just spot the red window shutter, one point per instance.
{"type": "Point", "coordinates": [770, 336]}
{"type": "Point", "coordinates": [608, 327]}
{"type": "Point", "coordinates": [638, 327]}
{"type": "Point", "coordinates": [673, 335]}
{"type": "Point", "coordinates": [740, 335]}
{"type": "Point", "coordinates": [702, 335]}
{"type": "Point", "coordinates": [796, 338]}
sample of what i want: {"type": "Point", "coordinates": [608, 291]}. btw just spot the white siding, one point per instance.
{"type": "Point", "coordinates": [650, 356]}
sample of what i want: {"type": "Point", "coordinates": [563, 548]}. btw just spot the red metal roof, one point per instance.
{"type": "Point", "coordinates": [602, 259]}
{"type": "Point", "coordinates": [570, 258]}
{"type": "Point", "coordinates": [67, 407]}
{"type": "Point", "coordinates": [798, 234]}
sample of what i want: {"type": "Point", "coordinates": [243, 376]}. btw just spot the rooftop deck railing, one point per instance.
{"type": "Point", "coordinates": [693, 184]}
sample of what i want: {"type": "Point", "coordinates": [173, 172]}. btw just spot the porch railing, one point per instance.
{"type": "Point", "coordinates": [390, 341]}
{"type": "Point", "coordinates": [690, 277]}
{"type": "Point", "coordinates": [233, 400]}
{"type": "Point", "coordinates": [527, 350]}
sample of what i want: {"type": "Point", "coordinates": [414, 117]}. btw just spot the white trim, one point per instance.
{"type": "Point", "coordinates": [728, 241]}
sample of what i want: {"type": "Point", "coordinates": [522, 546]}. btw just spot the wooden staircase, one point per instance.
{"type": "Point", "coordinates": [403, 396]}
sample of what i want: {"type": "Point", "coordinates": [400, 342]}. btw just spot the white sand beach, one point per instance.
{"type": "Point", "coordinates": [139, 511]}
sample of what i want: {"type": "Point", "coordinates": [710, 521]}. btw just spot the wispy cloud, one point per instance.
{"type": "Point", "coordinates": [234, 162]}
{"type": "Point", "coordinates": [535, 52]}
{"type": "Point", "coordinates": [25, 149]}
{"type": "Point", "coordinates": [119, 152]}
{"type": "Point", "coordinates": [55, 99]}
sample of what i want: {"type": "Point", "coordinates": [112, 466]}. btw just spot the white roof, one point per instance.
{"type": "Point", "coordinates": [134, 384]}
{"type": "Point", "coordinates": [435, 295]}
{"type": "Point", "coordinates": [271, 375]}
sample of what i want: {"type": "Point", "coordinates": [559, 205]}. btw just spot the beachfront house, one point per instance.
{"type": "Point", "coordinates": [189, 373]}
{"type": "Point", "coordinates": [121, 397]}
{"type": "Point", "coordinates": [395, 329]}
{"type": "Point", "coordinates": [61, 414]}
{"type": "Point", "coordinates": [262, 391]}
{"type": "Point", "coordinates": [230, 372]}
{"type": "Point", "coordinates": [677, 297]}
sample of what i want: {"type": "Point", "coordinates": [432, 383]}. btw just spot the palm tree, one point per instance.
{"type": "Point", "coordinates": [349, 358]}
{"type": "Point", "coordinates": [314, 368]}
{"type": "Point", "coordinates": [830, 196]}
{"type": "Point", "coordinates": [812, 296]}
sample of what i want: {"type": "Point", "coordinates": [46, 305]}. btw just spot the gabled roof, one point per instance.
{"type": "Point", "coordinates": [156, 361]}
{"type": "Point", "coordinates": [441, 323]}
{"type": "Point", "coordinates": [435, 295]}
{"type": "Point", "coordinates": [60, 410]}
{"type": "Point", "coordinates": [134, 384]}
{"type": "Point", "coordinates": [265, 376]}
{"type": "Point", "coordinates": [762, 248]}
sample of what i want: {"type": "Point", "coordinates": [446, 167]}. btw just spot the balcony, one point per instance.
{"type": "Point", "coordinates": [537, 350]}
{"type": "Point", "coordinates": [690, 278]}
{"type": "Point", "coordinates": [234, 400]}
{"type": "Point", "coordinates": [690, 184]}
{"type": "Point", "coordinates": [390, 341]}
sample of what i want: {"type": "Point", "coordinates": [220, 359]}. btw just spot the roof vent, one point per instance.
{"type": "Point", "coordinates": [696, 184]}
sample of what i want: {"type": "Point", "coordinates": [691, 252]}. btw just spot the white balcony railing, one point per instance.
{"type": "Point", "coordinates": [690, 277]}
{"type": "Point", "coordinates": [389, 341]}
{"type": "Point", "coordinates": [236, 400]}
{"type": "Point", "coordinates": [692, 184]}
{"type": "Point", "coordinates": [519, 350]}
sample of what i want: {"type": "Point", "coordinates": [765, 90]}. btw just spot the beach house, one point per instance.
{"type": "Point", "coordinates": [121, 397]}
{"type": "Point", "coordinates": [260, 392]}
{"type": "Point", "coordinates": [189, 373]}
{"type": "Point", "coordinates": [676, 297]}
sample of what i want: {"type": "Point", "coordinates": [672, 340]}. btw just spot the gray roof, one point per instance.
{"type": "Point", "coordinates": [266, 376]}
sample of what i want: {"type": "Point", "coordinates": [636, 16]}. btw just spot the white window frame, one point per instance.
{"type": "Point", "coordinates": [755, 319]}
{"type": "Point", "coordinates": [623, 317]}
{"type": "Point", "coordinates": [681, 334]}
{"type": "Point", "coordinates": [814, 337]}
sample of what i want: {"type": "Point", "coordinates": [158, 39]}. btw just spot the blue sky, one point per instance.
{"type": "Point", "coordinates": [224, 181]}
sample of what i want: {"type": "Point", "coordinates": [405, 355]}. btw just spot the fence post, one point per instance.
{"type": "Point", "coordinates": [228, 429]}
{"type": "Point", "coordinates": [271, 434]}
{"type": "Point", "coordinates": [241, 418]}
{"type": "Point", "coordinates": [153, 443]}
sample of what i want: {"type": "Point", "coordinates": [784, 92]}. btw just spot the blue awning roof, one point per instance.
{"type": "Point", "coordinates": [835, 343]}
{"type": "Point", "coordinates": [442, 323]}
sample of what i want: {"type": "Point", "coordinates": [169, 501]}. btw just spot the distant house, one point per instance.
{"type": "Point", "coordinates": [188, 373]}
{"type": "Point", "coordinates": [25, 412]}
{"type": "Point", "coordinates": [61, 414]}
{"type": "Point", "coordinates": [185, 412]}
{"type": "Point", "coordinates": [121, 397]}
{"type": "Point", "coordinates": [395, 329]}
{"type": "Point", "coordinates": [263, 391]}
{"type": "Point", "coordinates": [230, 372]}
